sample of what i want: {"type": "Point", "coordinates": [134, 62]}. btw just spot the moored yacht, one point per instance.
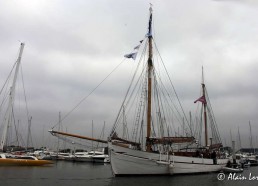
{"type": "Point", "coordinates": [10, 160]}
{"type": "Point", "coordinates": [151, 147]}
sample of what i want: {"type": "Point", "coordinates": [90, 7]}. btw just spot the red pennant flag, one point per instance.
{"type": "Point", "coordinates": [201, 99]}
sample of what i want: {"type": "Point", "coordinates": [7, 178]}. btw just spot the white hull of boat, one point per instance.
{"type": "Point", "coordinates": [83, 159]}
{"type": "Point", "coordinates": [22, 161]}
{"type": "Point", "coordinates": [123, 164]}
{"type": "Point", "coordinates": [100, 158]}
{"type": "Point", "coordinates": [190, 168]}
{"type": "Point", "coordinates": [230, 169]}
{"type": "Point", "coordinates": [125, 161]}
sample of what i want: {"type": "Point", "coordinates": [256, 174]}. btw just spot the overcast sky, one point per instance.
{"type": "Point", "coordinates": [71, 46]}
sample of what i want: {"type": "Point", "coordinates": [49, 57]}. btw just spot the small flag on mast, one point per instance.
{"type": "Point", "coordinates": [134, 54]}
{"type": "Point", "coordinates": [137, 47]}
{"type": "Point", "coordinates": [201, 99]}
{"type": "Point", "coordinates": [131, 55]}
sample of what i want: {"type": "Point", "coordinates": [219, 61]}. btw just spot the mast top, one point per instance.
{"type": "Point", "coordinates": [202, 76]}
{"type": "Point", "coordinates": [149, 88]}
{"type": "Point", "coordinates": [149, 34]}
{"type": "Point", "coordinates": [150, 9]}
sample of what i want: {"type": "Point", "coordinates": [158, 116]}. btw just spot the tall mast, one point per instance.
{"type": "Point", "coordinates": [150, 68]}
{"type": "Point", "coordinates": [251, 138]}
{"type": "Point", "coordinates": [92, 135]}
{"type": "Point", "coordinates": [11, 100]}
{"type": "Point", "coordinates": [239, 139]}
{"type": "Point", "coordinates": [29, 133]}
{"type": "Point", "coordinates": [191, 127]}
{"type": "Point", "coordinates": [59, 127]}
{"type": "Point", "coordinates": [204, 110]}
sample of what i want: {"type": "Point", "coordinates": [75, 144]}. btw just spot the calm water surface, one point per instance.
{"type": "Point", "coordinates": [69, 173]}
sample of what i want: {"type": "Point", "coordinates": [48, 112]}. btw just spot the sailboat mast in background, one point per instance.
{"type": "Point", "coordinates": [11, 100]}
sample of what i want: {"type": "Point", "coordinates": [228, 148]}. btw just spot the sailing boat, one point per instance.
{"type": "Point", "coordinates": [8, 115]}
{"type": "Point", "coordinates": [9, 159]}
{"type": "Point", "coordinates": [159, 152]}
{"type": "Point", "coordinates": [251, 156]}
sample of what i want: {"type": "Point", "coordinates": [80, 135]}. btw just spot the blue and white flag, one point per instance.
{"type": "Point", "coordinates": [137, 47]}
{"type": "Point", "coordinates": [134, 54]}
{"type": "Point", "coordinates": [131, 55]}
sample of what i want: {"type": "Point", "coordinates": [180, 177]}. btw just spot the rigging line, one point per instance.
{"type": "Point", "coordinates": [16, 129]}
{"type": "Point", "coordinates": [141, 76]}
{"type": "Point", "coordinates": [127, 92]}
{"type": "Point", "coordinates": [25, 97]}
{"type": "Point", "coordinates": [88, 94]}
{"type": "Point", "coordinates": [4, 100]}
{"type": "Point", "coordinates": [161, 106]}
{"type": "Point", "coordinates": [139, 95]}
{"type": "Point", "coordinates": [140, 140]}
{"type": "Point", "coordinates": [6, 90]}
{"type": "Point", "coordinates": [163, 99]}
{"type": "Point", "coordinates": [8, 77]}
{"type": "Point", "coordinates": [139, 98]}
{"type": "Point", "coordinates": [139, 82]}
{"type": "Point", "coordinates": [156, 107]}
{"type": "Point", "coordinates": [171, 83]}
{"type": "Point", "coordinates": [141, 111]}
{"type": "Point", "coordinates": [213, 116]}
{"type": "Point", "coordinates": [126, 101]}
{"type": "Point", "coordinates": [215, 132]}
{"type": "Point", "coordinates": [201, 125]}
{"type": "Point", "coordinates": [101, 134]}
{"type": "Point", "coordinates": [138, 109]}
{"type": "Point", "coordinates": [213, 124]}
{"type": "Point", "coordinates": [73, 142]}
{"type": "Point", "coordinates": [170, 98]}
{"type": "Point", "coordinates": [198, 127]}
{"type": "Point", "coordinates": [198, 112]}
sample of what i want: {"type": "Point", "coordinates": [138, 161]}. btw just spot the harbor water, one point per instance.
{"type": "Point", "coordinates": [81, 174]}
